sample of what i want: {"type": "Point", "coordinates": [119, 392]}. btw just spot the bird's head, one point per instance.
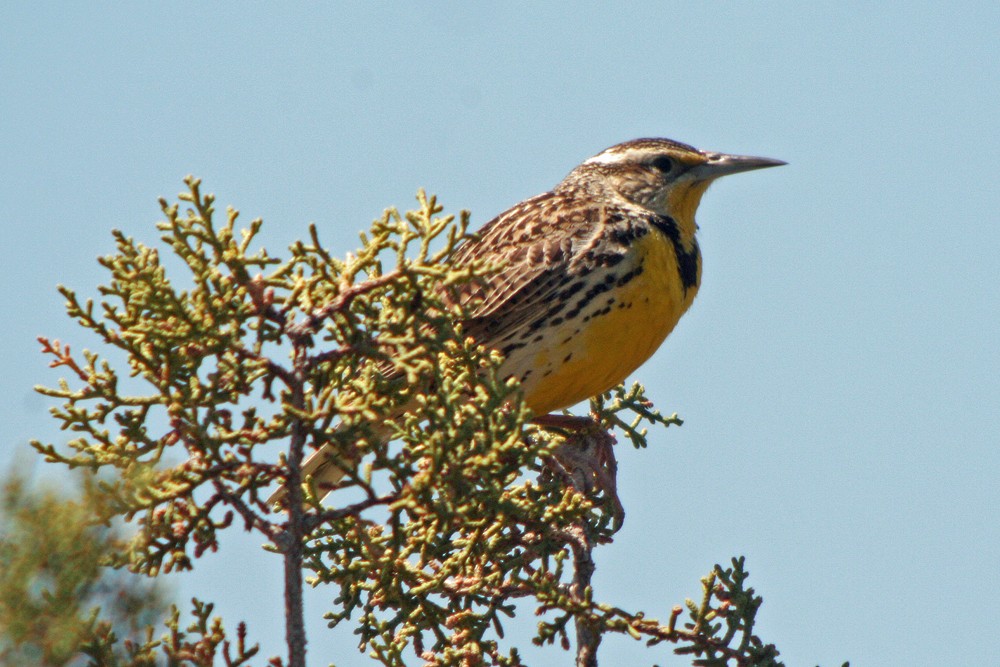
{"type": "Point", "coordinates": [665, 176]}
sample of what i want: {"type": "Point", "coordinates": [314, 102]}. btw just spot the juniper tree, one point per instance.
{"type": "Point", "coordinates": [454, 506]}
{"type": "Point", "coordinates": [54, 594]}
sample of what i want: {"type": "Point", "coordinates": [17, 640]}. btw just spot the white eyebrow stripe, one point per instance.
{"type": "Point", "coordinates": [620, 156]}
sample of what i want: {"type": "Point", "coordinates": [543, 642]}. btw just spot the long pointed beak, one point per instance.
{"type": "Point", "coordinates": [721, 164]}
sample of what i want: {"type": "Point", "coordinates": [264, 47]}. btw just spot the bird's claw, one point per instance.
{"type": "Point", "coordinates": [587, 461]}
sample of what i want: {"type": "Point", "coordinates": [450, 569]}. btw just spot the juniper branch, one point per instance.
{"type": "Point", "coordinates": [431, 535]}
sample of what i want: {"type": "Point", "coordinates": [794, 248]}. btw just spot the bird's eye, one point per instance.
{"type": "Point", "coordinates": [663, 163]}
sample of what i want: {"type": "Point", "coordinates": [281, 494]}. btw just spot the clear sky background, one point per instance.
{"type": "Point", "coordinates": [839, 373]}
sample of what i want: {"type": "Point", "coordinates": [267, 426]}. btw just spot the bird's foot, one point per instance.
{"type": "Point", "coordinates": [587, 460]}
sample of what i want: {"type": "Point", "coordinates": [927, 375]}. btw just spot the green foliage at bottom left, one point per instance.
{"type": "Point", "coordinates": [55, 593]}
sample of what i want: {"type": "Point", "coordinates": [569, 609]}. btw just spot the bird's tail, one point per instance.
{"type": "Point", "coordinates": [326, 467]}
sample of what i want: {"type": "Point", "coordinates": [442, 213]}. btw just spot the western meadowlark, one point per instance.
{"type": "Point", "coordinates": [596, 273]}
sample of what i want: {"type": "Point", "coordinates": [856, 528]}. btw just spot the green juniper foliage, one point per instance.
{"type": "Point", "coordinates": [201, 644]}
{"type": "Point", "coordinates": [437, 529]}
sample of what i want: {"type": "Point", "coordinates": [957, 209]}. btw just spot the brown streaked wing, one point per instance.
{"type": "Point", "coordinates": [537, 242]}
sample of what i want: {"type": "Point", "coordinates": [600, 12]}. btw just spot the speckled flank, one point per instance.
{"type": "Point", "coordinates": [622, 319]}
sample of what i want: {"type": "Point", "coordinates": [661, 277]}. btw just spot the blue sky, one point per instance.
{"type": "Point", "coordinates": [838, 373]}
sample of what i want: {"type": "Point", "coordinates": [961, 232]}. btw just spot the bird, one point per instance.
{"type": "Point", "coordinates": [595, 274]}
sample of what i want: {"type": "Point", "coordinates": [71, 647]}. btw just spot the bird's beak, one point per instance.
{"type": "Point", "coordinates": [721, 164]}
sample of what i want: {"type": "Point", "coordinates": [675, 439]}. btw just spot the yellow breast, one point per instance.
{"type": "Point", "coordinates": [601, 346]}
